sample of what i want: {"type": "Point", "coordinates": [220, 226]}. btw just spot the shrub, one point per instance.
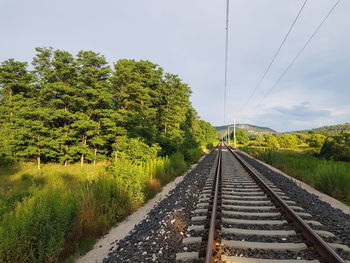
{"type": "Point", "coordinates": [64, 208]}
{"type": "Point", "coordinates": [10, 202]}
{"type": "Point", "coordinates": [35, 231]}
{"type": "Point", "coordinates": [333, 179]}
{"type": "Point", "coordinates": [134, 149]}
{"type": "Point", "coordinates": [130, 179]}
{"type": "Point", "coordinates": [209, 146]}
{"type": "Point", "coordinates": [316, 140]}
{"type": "Point", "coordinates": [241, 136]}
{"type": "Point", "coordinates": [271, 141]}
{"type": "Point", "coordinates": [288, 141]}
{"type": "Point", "coordinates": [337, 148]}
{"type": "Point", "coordinates": [194, 154]}
{"type": "Point", "coordinates": [178, 164]}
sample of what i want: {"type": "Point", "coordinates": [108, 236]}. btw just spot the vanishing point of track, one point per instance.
{"type": "Point", "coordinates": [247, 219]}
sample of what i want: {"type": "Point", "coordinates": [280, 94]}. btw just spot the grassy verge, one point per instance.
{"type": "Point", "coordinates": [48, 215]}
{"type": "Point", "coordinates": [332, 178]}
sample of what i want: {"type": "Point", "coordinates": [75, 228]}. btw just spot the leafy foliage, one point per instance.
{"type": "Point", "coordinates": [241, 136]}
{"type": "Point", "coordinates": [329, 130]}
{"type": "Point", "coordinates": [337, 148]}
{"type": "Point", "coordinates": [271, 141]}
{"type": "Point", "coordinates": [316, 140]}
{"type": "Point", "coordinates": [134, 149]}
{"type": "Point", "coordinates": [287, 141]}
{"type": "Point", "coordinates": [42, 222]}
{"type": "Point", "coordinates": [68, 109]}
{"type": "Point", "coordinates": [72, 108]}
{"type": "Point", "coordinates": [73, 204]}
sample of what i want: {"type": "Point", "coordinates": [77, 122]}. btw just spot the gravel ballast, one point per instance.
{"type": "Point", "coordinates": [333, 219]}
{"type": "Point", "coordinates": [159, 236]}
{"type": "Point", "coordinates": [260, 246]}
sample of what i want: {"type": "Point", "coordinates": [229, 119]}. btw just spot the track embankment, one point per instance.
{"type": "Point", "coordinates": [249, 226]}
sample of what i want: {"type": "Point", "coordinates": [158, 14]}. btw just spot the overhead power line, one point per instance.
{"type": "Point", "coordinates": [226, 54]}
{"type": "Point", "coordinates": [300, 52]}
{"type": "Point", "coordinates": [274, 57]}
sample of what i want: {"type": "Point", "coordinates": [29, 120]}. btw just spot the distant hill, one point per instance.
{"type": "Point", "coordinates": [250, 129]}
{"type": "Point", "coordinates": [328, 130]}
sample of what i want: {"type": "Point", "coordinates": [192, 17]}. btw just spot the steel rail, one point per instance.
{"type": "Point", "coordinates": [321, 247]}
{"type": "Point", "coordinates": [211, 244]}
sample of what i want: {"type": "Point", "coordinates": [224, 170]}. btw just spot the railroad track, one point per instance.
{"type": "Point", "coordinates": [242, 217]}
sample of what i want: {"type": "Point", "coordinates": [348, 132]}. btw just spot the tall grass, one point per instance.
{"type": "Point", "coordinates": [193, 154]}
{"type": "Point", "coordinates": [47, 215]}
{"type": "Point", "coordinates": [332, 178]}
{"type": "Point", "coordinates": [35, 231]}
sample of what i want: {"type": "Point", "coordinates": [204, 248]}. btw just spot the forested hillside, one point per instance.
{"type": "Point", "coordinates": [250, 129]}
{"type": "Point", "coordinates": [64, 108]}
{"type": "Point", "coordinates": [329, 130]}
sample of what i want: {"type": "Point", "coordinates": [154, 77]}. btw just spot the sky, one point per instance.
{"type": "Point", "coordinates": [187, 38]}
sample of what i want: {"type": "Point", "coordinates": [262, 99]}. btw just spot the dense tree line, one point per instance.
{"type": "Point", "coordinates": [66, 108]}
{"type": "Point", "coordinates": [287, 140]}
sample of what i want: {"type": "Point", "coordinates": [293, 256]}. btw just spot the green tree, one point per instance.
{"type": "Point", "coordinates": [241, 136]}
{"type": "Point", "coordinates": [71, 108]}
{"type": "Point", "coordinates": [260, 140]}
{"type": "Point", "coordinates": [135, 84]}
{"type": "Point", "coordinates": [15, 87]}
{"type": "Point", "coordinates": [34, 138]}
{"type": "Point", "coordinates": [288, 141]}
{"type": "Point", "coordinates": [57, 90]}
{"type": "Point", "coordinates": [337, 147]}
{"type": "Point", "coordinates": [93, 75]}
{"type": "Point", "coordinates": [173, 105]}
{"type": "Point", "coordinates": [303, 137]}
{"type": "Point", "coordinates": [271, 141]}
{"type": "Point", "coordinates": [316, 140]}
{"type": "Point", "coordinates": [206, 133]}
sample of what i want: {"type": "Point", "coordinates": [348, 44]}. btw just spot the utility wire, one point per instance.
{"type": "Point", "coordinates": [274, 57]}
{"type": "Point", "coordinates": [300, 52]}
{"type": "Point", "coordinates": [226, 53]}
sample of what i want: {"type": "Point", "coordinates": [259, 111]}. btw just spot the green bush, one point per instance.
{"type": "Point", "coordinates": [271, 141]}
{"type": "Point", "coordinates": [194, 154]}
{"type": "Point", "coordinates": [10, 202]}
{"type": "Point", "coordinates": [334, 180]}
{"type": "Point", "coordinates": [131, 179]}
{"type": "Point", "coordinates": [209, 146]}
{"type": "Point", "coordinates": [134, 149]}
{"type": "Point", "coordinates": [35, 231]}
{"type": "Point", "coordinates": [288, 141]}
{"type": "Point", "coordinates": [178, 164]}
{"type": "Point", "coordinates": [57, 216]}
{"type": "Point", "coordinates": [337, 148]}
{"type": "Point", "coordinates": [316, 140]}
{"type": "Point", "coordinates": [241, 136]}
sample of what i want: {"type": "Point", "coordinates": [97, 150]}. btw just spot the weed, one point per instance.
{"type": "Point", "coordinates": [153, 187]}
{"type": "Point", "coordinates": [49, 215]}
{"type": "Point", "coordinates": [330, 177]}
